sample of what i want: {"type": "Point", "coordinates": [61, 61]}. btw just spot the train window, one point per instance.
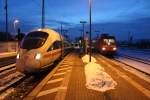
{"type": "Point", "coordinates": [109, 41]}
{"type": "Point", "coordinates": [56, 45]}
{"type": "Point", "coordinates": [37, 34]}
{"type": "Point", "coordinates": [51, 48]}
{"type": "Point", "coordinates": [34, 40]}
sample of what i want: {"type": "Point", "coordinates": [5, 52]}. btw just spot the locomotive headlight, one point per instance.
{"type": "Point", "coordinates": [18, 56]}
{"type": "Point", "coordinates": [37, 56]}
{"type": "Point", "coordinates": [114, 48]}
{"type": "Point", "coordinates": [103, 48]}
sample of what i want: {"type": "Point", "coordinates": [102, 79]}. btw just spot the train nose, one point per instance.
{"type": "Point", "coordinates": [27, 64]}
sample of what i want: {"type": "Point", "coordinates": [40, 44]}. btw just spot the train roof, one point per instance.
{"type": "Point", "coordinates": [108, 36]}
{"type": "Point", "coordinates": [105, 36]}
{"type": "Point", "coordinates": [51, 32]}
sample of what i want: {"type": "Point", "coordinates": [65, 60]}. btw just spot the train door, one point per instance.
{"type": "Point", "coordinates": [57, 49]}
{"type": "Point", "coordinates": [50, 53]}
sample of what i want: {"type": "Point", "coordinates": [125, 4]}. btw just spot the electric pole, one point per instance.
{"type": "Point", "coordinates": [90, 19]}
{"type": "Point", "coordinates": [61, 29]}
{"type": "Point", "coordinates": [6, 12]}
{"type": "Point", "coordinates": [43, 14]}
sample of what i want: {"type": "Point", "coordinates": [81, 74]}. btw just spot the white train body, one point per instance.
{"type": "Point", "coordinates": [38, 49]}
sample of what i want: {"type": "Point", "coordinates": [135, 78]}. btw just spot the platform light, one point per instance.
{"type": "Point", "coordinates": [16, 21]}
{"type": "Point", "coordinates": [37, 56]}
{"type": "Point", "coordinates": [40, 29]}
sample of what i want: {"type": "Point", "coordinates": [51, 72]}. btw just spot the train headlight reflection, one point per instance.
{"type": "Point", "coordinates": [18, 56]}
{"type": "Point", "coordinates": [37, 56]}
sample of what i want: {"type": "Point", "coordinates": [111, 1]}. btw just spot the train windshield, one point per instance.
{"type": "Point", "coordinates": [34, 40]}
{"type": "Point", "coordinates": [109, 41]}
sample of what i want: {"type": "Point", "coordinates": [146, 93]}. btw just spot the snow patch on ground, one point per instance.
{"type": "Point", "coordinates": [96, 77]}
{"type": "Point", "coordinates": [85, 59]}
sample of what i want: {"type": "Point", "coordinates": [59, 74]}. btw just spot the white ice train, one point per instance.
{"type": "Point", "coordinates": [39, 49]}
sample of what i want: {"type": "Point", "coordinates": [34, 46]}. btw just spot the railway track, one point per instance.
{"type": "Point", "coordinates": [7, 64]}
{"type": "Point", "coordinates": [129, 68]}
{"type": "Point", "coordinates": [145, 61]}
{"type": "Point", "coordinates": [7, 61]}
{"type": "Point", "coordinates": [10, 80]}
{"type": "Point", "coordinates": [137, 79]}
{"type": "Point", "coordinates": [15, 85]}
{"type": "Point", "coordinates": [134, 59]}
{"type": "Point", "coordinates": [139, 51]}
{"type": "Point", "coordinates": [4, 68]}
{"type": "Point", "coordinates": [9, 76]}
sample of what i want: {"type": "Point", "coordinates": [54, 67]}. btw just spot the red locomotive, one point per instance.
{"type": "Point", "coordinates": [106, 44]}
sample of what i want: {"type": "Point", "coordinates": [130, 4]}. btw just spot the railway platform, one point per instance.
{"type": "Point", "coordinates": [68, 82]}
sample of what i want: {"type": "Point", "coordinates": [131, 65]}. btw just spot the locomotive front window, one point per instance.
{"type": "Point", "coordinates": [112, 41]}
{"type": "Point", "coordinates": [34, 40]}
{"type": "Point", "coordinates": [109, 41]}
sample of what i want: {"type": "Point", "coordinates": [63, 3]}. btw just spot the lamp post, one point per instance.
{"type": "Point", "coordinates": [15, 22]}
{"type": "Point", "coordinates": [83, 22]}
{"type": "Point", "coordinates": [90, 17]}
{"type": "Point", "coordinates": [80, 38]}
{"type": "Point", "coordinates": [15, 29]}
{"type": "Point", "coordinates": [97, 33]}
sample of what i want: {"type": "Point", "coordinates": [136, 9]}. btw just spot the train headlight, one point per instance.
{"type": "Point", "coordinates": [37, 56]}
{"type": "Point", "coordinates": [114, 48]}
{"type": "Point", "coordinates": [18, 56]}
{"type": "Point", "coordinates": [103, 48]}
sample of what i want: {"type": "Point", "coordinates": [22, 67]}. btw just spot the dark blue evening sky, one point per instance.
{"type": "Point", "coordinates": [117, 17]}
